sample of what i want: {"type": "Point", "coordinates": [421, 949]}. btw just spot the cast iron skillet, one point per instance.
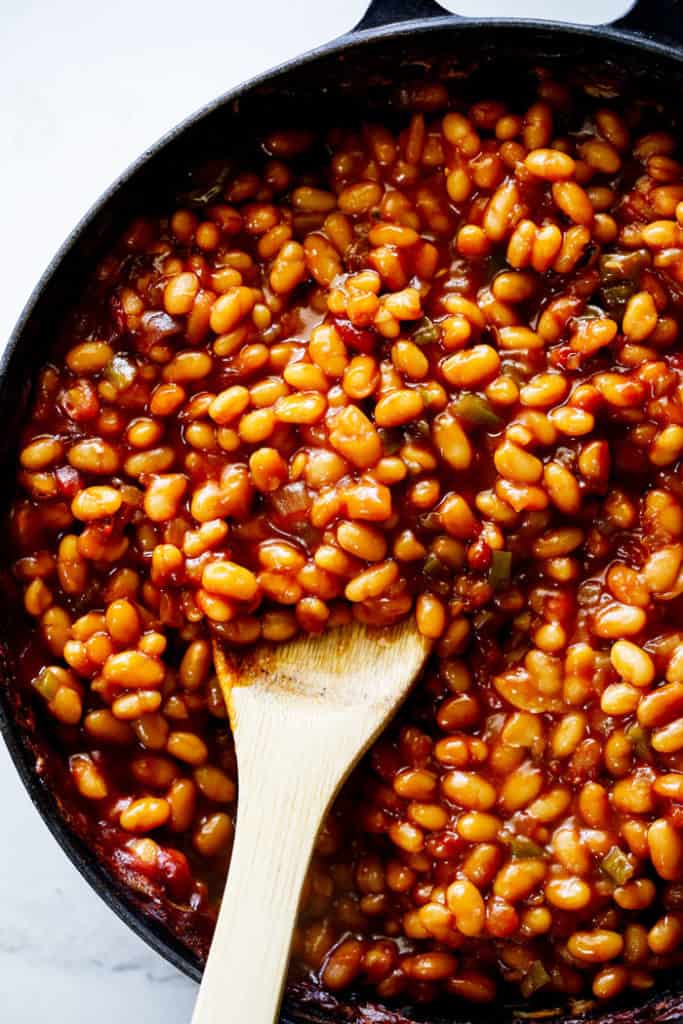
{"type": "Point", "coordinates": [357, 75]}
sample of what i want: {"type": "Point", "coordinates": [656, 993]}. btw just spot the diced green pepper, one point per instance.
{"type": "Point", "coordinates": [615, 296]}
{"type": "Point", "coordinates": [426, 332]}
{"type": "Point", "coordinates": [477, 411]}
{"type": "Point", "coordinates": [620, 273]}
{"type": "Point", "coordinates": [535, 978]}
{"type": "Point", "coordinates": [523, 848]}
{"type": "Point", "coordinates": [47, 682]}
{"type": "Point", "coordinates": [210, 193]}
{"type": "Point", "coordinates": [430, 521]}
{"type": "Point", "coordinates": [432, 565]}
{"type": "Point", "coordinates": [638, 739]}
{"type": "Point", "coordinates": [623, 266]}
{"type": "Point", "coordinates": [617, 865]}
{"type": "Point", "coordinates": [500, 569]}
{"type": "Point", "coordinates": [421, 428]}
{"type": "Point", "coordinates": [391, 439]}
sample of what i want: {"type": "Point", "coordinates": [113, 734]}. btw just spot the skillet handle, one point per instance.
{"type": "Point", "coordinates": [391, 12]}
{"type": "Point", "coordinates": [654, 18]}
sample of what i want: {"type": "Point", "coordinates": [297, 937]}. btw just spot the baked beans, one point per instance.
{"type": "Point", "coordinates": [439, 375]}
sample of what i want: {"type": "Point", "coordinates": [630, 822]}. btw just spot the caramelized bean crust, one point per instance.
{"type": "Point", "coordinates": [436, 371]}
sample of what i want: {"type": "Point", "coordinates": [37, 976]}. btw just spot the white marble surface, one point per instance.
{"type": "Point", "coordinates": [85, 87]}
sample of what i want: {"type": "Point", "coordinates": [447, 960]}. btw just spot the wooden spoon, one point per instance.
{"type": "Point", "coordinates": [302, 714]}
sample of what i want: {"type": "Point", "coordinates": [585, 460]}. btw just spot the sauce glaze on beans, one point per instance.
{"type": "Point", "coordinates": [440, 374]}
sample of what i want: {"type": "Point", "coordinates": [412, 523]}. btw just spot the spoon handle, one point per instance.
{"type": "Point", "coordinates": [287, 779]}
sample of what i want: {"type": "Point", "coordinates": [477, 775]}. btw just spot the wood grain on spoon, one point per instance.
{"type": "Point", "coordinates": [302, 713]}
